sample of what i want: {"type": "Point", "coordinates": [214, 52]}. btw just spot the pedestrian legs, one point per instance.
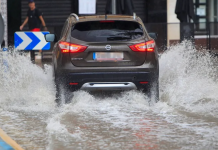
{"type": "Point", "coordinates": [32, 56]}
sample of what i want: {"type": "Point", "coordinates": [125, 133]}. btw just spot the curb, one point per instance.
{"type": "Point", "coordinates": [6, 143]}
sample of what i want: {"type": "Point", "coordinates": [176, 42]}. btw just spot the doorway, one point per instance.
{"type": "Point", "coordinates": [201, 15]}
{"type": "Point", "coordinates": [14, 18]}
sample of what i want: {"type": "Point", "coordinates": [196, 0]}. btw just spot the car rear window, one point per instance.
{"type": "Point", "coordinates": [104, 31]}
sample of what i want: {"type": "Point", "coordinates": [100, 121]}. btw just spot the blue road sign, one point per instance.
{"type": "Point", "coordinates": [31, 41]}
{"type": "Point", "coordinates": [5, 49]}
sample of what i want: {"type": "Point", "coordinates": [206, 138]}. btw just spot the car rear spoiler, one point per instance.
{"type": "Point", "coordinates": [77, 17]}
{"type": "Point", "coordinates": [134, 16]}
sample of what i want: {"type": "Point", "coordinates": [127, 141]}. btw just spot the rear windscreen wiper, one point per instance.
{"type": "Point", "coordinates": [113, 38]}
{"type": "Point", "coordinates": [130, 33]}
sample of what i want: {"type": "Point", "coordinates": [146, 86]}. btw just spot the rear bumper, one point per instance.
{"type": "Point", "coordinates": [107, 80]}
{"type": "Point", "coordinates": [93, 86]}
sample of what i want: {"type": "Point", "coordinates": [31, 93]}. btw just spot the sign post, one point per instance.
{"type": "Point", "coordinates": [3, 11]}
{"type": "Point", "coordinates": [3, 35]}
{"type": "Point", "coordinates": [2, 30]}
{"type": "Point", "coordinates": [114, 7]}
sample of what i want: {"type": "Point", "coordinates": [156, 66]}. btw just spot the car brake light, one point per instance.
{"type": "Point", "coordinates": [71, 48]}
{"type": "Point", "coordinates": [143, 47]}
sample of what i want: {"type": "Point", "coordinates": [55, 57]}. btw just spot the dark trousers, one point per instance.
{"type": "Point", "coordinates": [32, 56]}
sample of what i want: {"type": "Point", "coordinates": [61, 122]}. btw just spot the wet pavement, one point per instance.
{"type": "Point", "coordinates": [186, 117]}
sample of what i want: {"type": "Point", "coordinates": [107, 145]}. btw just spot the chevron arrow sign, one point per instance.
{"type": "Point", "coordinates": [31, 41]}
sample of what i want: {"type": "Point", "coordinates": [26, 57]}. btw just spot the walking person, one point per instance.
{"type": "Point", "coordinates": [35, 20]}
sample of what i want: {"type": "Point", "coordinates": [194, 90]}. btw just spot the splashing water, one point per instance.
{"type": "Point", "coordinates": [188, 79]}
{"type": "Point", "coordinates": [188, 82]}
{"type": "Point", "coordinates": [25, 86]}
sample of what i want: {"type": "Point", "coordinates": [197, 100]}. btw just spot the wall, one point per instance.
{"type": "Point", "coordinates": [14, 19]}
{"type": "Point", "coordinates": [156, 11]}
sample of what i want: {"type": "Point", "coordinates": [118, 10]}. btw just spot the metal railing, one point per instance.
{"type": "Point", "coordinates": [203, 35]}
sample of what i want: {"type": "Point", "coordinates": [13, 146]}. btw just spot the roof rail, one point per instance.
{"type": "Point", "coordinates": [75, 15]}
{"type": "Point", "coordinates": [134, 15]}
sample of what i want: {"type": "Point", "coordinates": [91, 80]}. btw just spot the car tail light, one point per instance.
{"type": "Point", "coordinates": [71, 48]}
{"type": "Point", "coordinates": [143, 47]}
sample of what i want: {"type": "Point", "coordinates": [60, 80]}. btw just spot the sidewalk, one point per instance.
{"type": "Point", "coordinates": [6, 143]}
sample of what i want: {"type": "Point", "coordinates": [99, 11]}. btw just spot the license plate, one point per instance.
{"type": "Point", "coordinates": [109, 56]}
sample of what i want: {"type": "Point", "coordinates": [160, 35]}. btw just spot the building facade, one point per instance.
{"type": "Point", "coordinates": [56, 11]}
{"type": "Point", "coordinates": [204, 25]}
{"type": "Point", "coordinates": [158, 15]}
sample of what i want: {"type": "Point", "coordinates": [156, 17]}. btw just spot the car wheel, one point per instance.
{"type": "Point", "coordinates": [63, 95]}
{"type": "Point", "coordinates": [154, 91]}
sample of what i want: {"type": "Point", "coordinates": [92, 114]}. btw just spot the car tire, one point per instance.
{"type": "Point", "coordinates": [154, 91]}
{"type": "Point", "coordinates": [63, 95]}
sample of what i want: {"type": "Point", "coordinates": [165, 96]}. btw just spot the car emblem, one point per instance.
{"type": "Point", "coordinates": [108, 47]}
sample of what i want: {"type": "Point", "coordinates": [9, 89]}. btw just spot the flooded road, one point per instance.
{"type": "Point", "coordinates": [186, 117]}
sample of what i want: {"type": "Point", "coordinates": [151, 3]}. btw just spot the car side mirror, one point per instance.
{"type": "Point", "coordinates": [153, 35]}
{"type": "Point", "coordinates": [51, 38]}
